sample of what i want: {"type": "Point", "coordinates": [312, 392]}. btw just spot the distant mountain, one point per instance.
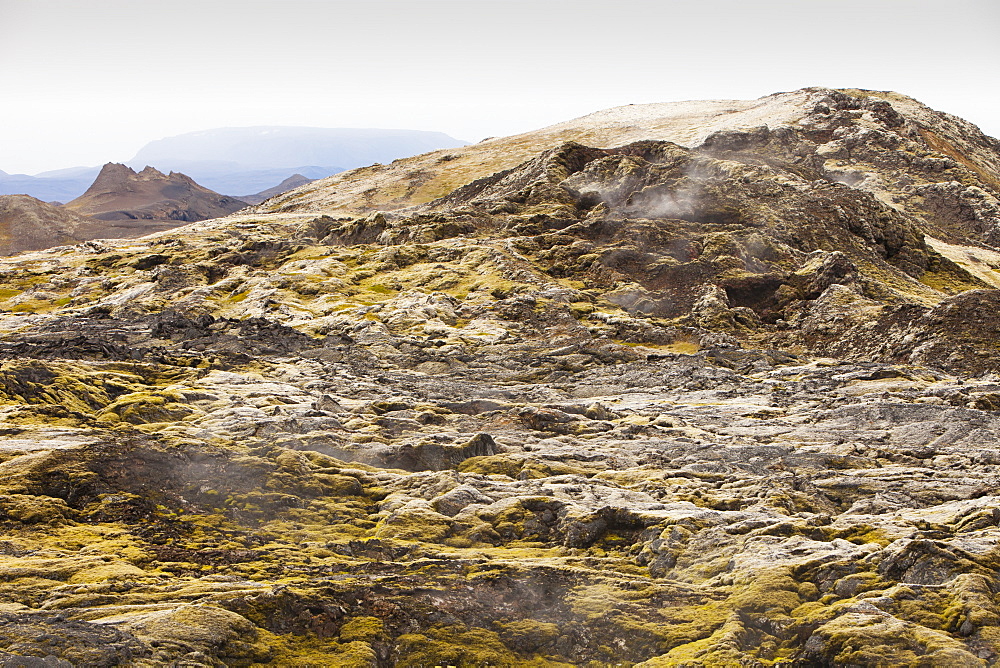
{"type": "Point", "coordinates": [60, 185]}
{"type": "Point", "coordinates": [293, 181]}
{"type": "Point", "coordinates": [253, 181]}
{"type": "Point", "coordinates": [241, 160]}
{"type": "Point", "coordinates": [120, 203]}
{"type": "Point", "coordinates": [275, 146]}
{"type": "Point", "coordinates": [71, 173]}
{"type": "Point", "coordinates": [63, 185]}
{"type": "Point", "coordinates": [27, 223]}
{"type": "Point", "coordinates": [245, 160]}
{"type": "Point", "coordinates": [150, 200]}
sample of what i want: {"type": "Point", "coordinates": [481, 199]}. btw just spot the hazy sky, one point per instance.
{"type": "Point", "coordinates": [85, 82]}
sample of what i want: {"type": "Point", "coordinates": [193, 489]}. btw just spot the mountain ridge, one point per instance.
{"type": "Point", "coordinates": [241, 160]}
{"type": "Point", "coordinates": [293, 181]}
{"type": "Point", "coordinates": [666, 121]}
{"type": "Point", "coordinates": [219, 155]}
{"type": "Point", "coordinates": [290, 146]}
{"type": "Point", "coordinates": [119, 193]}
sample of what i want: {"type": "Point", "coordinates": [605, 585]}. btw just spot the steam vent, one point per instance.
{"type": "Point", "coordinates": [689, 384]}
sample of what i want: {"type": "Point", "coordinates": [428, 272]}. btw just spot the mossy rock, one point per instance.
{"type": "Point", "coordinates": [147, 407]}
{"type": "Point", "coordinates": [364, 629]}
{"type": "Point", "coordinates": [881, 640]}
{"type": "Point", "coordinates": [198, 628]}
{"type": "Point", "coordinates": [34, 509]}
{"type": "Point", "coordinates": [453, 646]}
{"type": "Point", "coordinates": [108, 572]}
{"type": "Point", "coordinates": [529, 636]}
{"type": "Point", "coordinates": [515, 466]}
{"type": "Point", "coordinates": [414, 523]}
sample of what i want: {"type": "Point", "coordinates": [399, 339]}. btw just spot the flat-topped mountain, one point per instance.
{"type": "Point", "coordinates": [695, 384]}
{"type": "Point", "coordinates": [150, 200]}
{"type": "Point", "coordinates": [243, 160]}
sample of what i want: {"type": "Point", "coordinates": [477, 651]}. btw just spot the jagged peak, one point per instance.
{"type": "Point", "coordinates": [112, 176]}
{"type": "Point", "coordinates": [180, 176]}
{"type": "Point", "coordinates": [152, 172]}
{"type": "Point", "coordinates": [114, 170]}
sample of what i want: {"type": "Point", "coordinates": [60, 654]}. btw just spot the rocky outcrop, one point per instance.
{"type": "Point", "coordinates": [645, 404]}
{"type": "Point", "coordinates": [883, 142]}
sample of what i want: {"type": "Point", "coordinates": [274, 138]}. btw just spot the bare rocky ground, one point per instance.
{"type": "Point", "coordinates": [624, 404]}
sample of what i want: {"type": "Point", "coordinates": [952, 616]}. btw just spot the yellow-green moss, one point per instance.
{"type": "Point", "coordinates": [453, 646]}
{"type": "Point", "coordinates": [109, 571]}
{"type": "Point", "coordinates": [362, 628]}
{"type": "Point", "coordinates": [951, 282]}
{"type": "Point", "coordinates": [413, 524]}
{"type": "Point", "coordinates": [147, 407]}
{"type": "Point", "coordinates": [514, 467]}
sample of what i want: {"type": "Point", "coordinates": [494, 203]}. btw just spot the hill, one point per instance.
{"type": "Point", "coordinates": [30, 224]}
{"type": "Point", "coordinates": [834, 122]}
{"type": "Point", "coordinates": [716, 378]}
{"type": "Point", "coordinates": [150, 200]}
{"type": "Point", "coordinates": [293, 181]}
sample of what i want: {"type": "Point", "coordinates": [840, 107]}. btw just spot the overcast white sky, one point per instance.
{"type": "Point", "coordinates": [88, 81]}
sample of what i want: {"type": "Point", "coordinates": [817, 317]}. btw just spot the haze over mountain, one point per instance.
{"type": "Point", "coordinates": [243, 160]}
{"type": "Point", "coordinates": [60, 185]}
{"type": "Point", "coordinates": [698, 384]}
{"type": "Point", "coordinates": [235, 161]}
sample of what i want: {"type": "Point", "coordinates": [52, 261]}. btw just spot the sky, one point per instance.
{"type": "Point", "coordinates": [90, 81]}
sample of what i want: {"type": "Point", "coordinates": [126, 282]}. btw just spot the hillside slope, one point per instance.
{"type": "Point", "coordinates": [669, 385]}
{"type": "Point", "coordinates": [906, 154]}
{"type": "Point", "coordinates": [29, 224]}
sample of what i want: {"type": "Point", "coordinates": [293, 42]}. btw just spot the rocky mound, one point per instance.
{"type": "Point", "coordinates": [881, 142]}
{"type": "Point", "coordinates": [150, 201]}
{"type": "Point", "coordinates": [642, 403]}
{"type": "Point", "coordinates": [30, 224]}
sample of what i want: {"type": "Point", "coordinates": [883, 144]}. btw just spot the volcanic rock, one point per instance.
{"type": "Point", "coordinates": [699, 384]}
